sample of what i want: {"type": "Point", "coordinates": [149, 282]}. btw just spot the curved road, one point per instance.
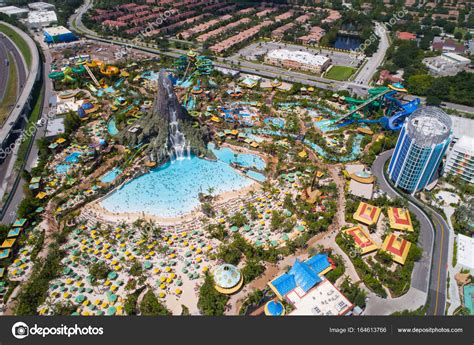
{"type": "Point", "coordinates": [430, 273]}
{"type": "Point", "coordinates": [8, 46]}
{"type": "Point", "coordinates": [4, 70]}
{"type": "Point", "coordinates": [16, 194]}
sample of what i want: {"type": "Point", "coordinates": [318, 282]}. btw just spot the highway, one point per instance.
{"type": "Point", "coordinates": [6, 45]}
{"type": "Point", "coordinates": [4, 69]}
{"type": "Point", "coordinates": [6, 167]}
{"type": "Point", "coordinates": [29, 77]}
{"type": "Point", "coordinates": [430, 273]}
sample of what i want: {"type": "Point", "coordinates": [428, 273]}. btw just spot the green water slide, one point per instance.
{"type": "Point", "coordinates": [378, 90]}
{"type": "Point", "coordinates": [78, 70]}
{"type": "Point", "coordinates": [56, 75]}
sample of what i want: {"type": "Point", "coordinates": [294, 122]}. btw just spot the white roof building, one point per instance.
{"type": "Point", "coordinates": [466, 251]}
{"type": "Point", "coordinates": [456, 58]}
{"type": "Point", "coordinates": [13, 11]}
{"type": "Point", "coordinates": [299, 56]}
{"type": "Point", "coordinates": [323, 300]}
{"type": "Point", "coordinates": [38, 19]}
{"type": "Point", "coordinates": [41, 6]}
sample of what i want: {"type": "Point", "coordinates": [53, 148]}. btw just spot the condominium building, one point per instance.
{"type": "Point", "coordinates": [421, 145]}
{"type": "Point", "coordinates": [460, 159]}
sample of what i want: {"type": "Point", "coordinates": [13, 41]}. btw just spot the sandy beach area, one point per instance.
{"type": "Point", "coordinates": [98, 210]}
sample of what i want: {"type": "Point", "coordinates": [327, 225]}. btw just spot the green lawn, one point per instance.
{"type": "Point", "coordinates": [10, 96]}
{"type": "Point", "coordinates": [19, 41]}
{"type": "Point", "coordinates": [340, 73]}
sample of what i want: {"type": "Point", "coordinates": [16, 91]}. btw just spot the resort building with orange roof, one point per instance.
{"type": "Point", "coordinates": [397, 247]}
{"type": "Point", "coordinates": [400, 219]}
{"type": "Point", "coordinates": [362, 239]}
{"type": "Point", "coordinates": [367, 214]}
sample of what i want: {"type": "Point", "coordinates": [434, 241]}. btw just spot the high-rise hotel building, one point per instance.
{"type": "Point", "coordinates": [421, 145]}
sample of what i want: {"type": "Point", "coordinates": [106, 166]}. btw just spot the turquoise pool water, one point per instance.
{"type": "Point", "coordinates": [256, 176]}
{"type": "Point", "coordinates": [62, 168]}
{"type": "Point", "coordinates": [173, 189]}
{"type": "Point", "coordinates": [112, 127]}
{"type": "Point", "coordinates": [73, 157]}
{"type": "Point", "coordinates": [353, 155]}
{"type": "Point", "coordinates": [469, 298]}
{"type": "Point", "coordinates": [244, 159]}
{"type": "Point", "coordinates": [276, 121]}
{"type": "Point", "coordinates": [111, 175]}
{"type": "Point", "coordinates": [325, 125]}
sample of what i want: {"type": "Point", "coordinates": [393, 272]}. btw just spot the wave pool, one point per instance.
{"type": "Point", "coordinates": [172, 190]}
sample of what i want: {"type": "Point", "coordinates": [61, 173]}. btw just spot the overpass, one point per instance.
{"type": "Point", "coordinates": [22, 107]}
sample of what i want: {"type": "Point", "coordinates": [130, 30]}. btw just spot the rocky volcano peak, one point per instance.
{"type": "Point", "coordinates": [167, 128]}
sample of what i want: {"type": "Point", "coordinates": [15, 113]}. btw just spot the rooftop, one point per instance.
{"type": "Point", "coordinates": [400, 219]}
{"type": "Point", "coordinates": [367, 213]}
{"type": "Point", "coordinates": [302, 276]}
{"type": "Point", "coordinates": [298, 56]}
{"type": "Point", "coordinates": [324, 299]}
{"type": "Point", "coordinates": [362, 239]}
{"type": "Point", "coordinates": [466, 251]}
{"type": "Point", "coordinates": [429, 126]}
{"type": "Point", "coordinates": [12, 10]}
{"type": "Point", "coordinates": [57, 30]}
{"type": "Point", "coordinates": [397, 247]}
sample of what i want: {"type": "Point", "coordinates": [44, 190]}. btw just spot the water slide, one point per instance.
{"type": "Point", "coordinates": [109, 70]}
{"type": "Point", "coordinates": [56, 75]}
{"type": "Point", "coordinates": [395, 122]}
{"type": "Point", "coordinates": [365, 103]}
{"type": "Point", "coordinates": [392, 122]}
{"type": "Point", "coordinates": [94, 79]}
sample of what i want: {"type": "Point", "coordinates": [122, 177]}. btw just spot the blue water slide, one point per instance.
{"type": "Point", "coordinates": [395, 122]}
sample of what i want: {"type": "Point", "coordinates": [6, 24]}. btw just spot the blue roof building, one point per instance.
{"type": "Point", "coordinates": [304, 275]}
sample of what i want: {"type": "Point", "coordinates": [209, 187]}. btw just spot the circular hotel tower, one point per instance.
{"type": "Point", "coordinates": [422, 142]}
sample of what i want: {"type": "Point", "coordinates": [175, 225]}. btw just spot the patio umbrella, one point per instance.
{"type": "Point", "coordinates": [234, 228]}
{"type": "Point", "coordinates": [112, 275]}
{"type": "Point", "coordinates": [300, 228]}
{"type": "Point", "coordinates": [80, 298]}
{"type": "Point", "coordinates": [111, 297]}
{"type": "Point", "coordinates": [147, 265]}
{"type": "Point", "coordinates": [111, 311]}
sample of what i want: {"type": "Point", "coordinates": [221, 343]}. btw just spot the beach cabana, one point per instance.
{"type": "Point", "coordinates": [8, 243]}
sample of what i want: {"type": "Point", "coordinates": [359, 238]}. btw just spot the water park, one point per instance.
{"type": "Point", "coordinates": [167, 165]}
